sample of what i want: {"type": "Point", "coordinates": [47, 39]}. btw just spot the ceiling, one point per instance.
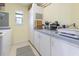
{"type": "Point", "coordinates": [29, 4]}
{"type": "Point", "coordinates": [25, 4]}
{"type": "Point", "coordinates": [43, 5]}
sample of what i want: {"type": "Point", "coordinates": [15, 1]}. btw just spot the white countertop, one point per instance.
{"type": "Point", "coordinates": [73, 39]}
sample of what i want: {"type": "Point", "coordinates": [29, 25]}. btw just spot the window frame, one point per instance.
{"type": "Point", "coordinates": [19, 18]}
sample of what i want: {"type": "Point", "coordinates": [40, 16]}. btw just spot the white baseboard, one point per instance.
{"type": "Point", "coordinates": [34, 50]}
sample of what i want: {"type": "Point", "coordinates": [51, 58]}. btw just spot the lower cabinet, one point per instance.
{"type": "Point", "coordinates": [49, 45]}
{"type": "Point", "coordinates": [6, 42]}
{"type": "Point", "coordinates": [32, 36]}
{"type": "Point", "coordinates": [44, 44]}
{"type": "Point", "coordinates": [60, 47]}
{"type": "Point", "coordinates": [70, 49]}
{"type": "Point", "coordinates": [56, 47]}
{"type": "Point", "coordinates": [37, 40]}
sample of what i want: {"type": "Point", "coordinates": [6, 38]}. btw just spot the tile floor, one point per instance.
{"type": "Point", "coordinates": [14, 47]}
{"type": "Point", "coordinates": [25, 51]}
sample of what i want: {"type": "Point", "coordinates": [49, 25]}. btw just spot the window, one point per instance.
{"type": "Point", "coordinates": [19, 17]}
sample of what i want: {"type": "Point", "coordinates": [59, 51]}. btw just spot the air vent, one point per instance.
{"type": "Point", "coordinates": [43, 4]}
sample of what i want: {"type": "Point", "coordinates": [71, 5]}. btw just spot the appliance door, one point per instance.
{"type": "Point", "coordinates": [0, 45]}
{"type": "Point", "coordinates": [4, 19]}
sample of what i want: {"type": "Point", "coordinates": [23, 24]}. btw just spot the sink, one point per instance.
{"type": "Point", "coordinates": [74, 33]}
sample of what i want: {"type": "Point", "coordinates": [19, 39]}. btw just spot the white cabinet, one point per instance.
{"type": "Point", "coordinates": [5, 42]}
{"type": "Point", "coordinates": [36, 40]}
{"type": "Point", "coordinates": [60, 47]}
{"type": "Point", "coordinates": [56, 47]}
{"type": "Point", "coordinates": [44, 44]}
{"type": "Point", "coordinates": [70, 49]}
{"type": "Point", "coordinates": [0, 45]}
{"type": "Point", "coordinates": [51, 45]}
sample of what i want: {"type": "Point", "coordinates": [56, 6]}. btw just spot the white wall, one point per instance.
{"type": "Point", "coordinates": [19, 33]}
{"type": "Point", "coordinates": [65, 13]}
{"type": "Point", "coordinates": [58, 11]}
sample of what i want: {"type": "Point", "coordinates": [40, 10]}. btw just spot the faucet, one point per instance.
{"type": "Point", "coordinates": [74, 25]}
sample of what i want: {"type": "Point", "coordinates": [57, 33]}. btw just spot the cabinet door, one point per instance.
{"type": "Point", "coordinates": [32, 36]}
{"type": "Point", "coordinates": [44, 44]}
{"type": "Point", "coordinates": [0, 45]}
{"type": "Point", "coordinates": [36, 40]}
{"type": "Point", "coordinates": [56, 47]}
{"type": "Point", "coordinates": [61, 47]}
{"type": "Point", "coordinates": [70, 49]}
{"type": "Point", "coordinates": [6, 42]}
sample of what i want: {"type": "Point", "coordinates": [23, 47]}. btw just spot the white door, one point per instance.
{"type": "Point", "coordinates": [44, 44]}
